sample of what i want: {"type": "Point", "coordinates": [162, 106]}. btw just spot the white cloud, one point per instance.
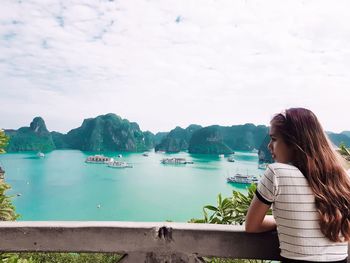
{"type": "Point", "coordinates": [168, 63]}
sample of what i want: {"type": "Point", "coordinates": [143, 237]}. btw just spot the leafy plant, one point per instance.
{"type": "Point", "coordinates": [230, 210]}
{"type": "Point", "coordinates": [4, 140]}
{"type": "Point", "coordinates": [343, 150]}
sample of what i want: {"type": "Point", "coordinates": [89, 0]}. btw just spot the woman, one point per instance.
{"type": "Point", "coordinates": [308, 189]}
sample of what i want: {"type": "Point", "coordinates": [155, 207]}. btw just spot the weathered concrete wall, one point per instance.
{"type": "Point", "coordinates": [176, 242]}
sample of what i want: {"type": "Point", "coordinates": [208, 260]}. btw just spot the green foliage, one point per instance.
{"type": "Point", "coordinates": [14, 258]}
{"type": "Point", "coordinates": [225, 260]}
{"type": "Point", "coordinates": [3, 141]}
{"type": "Point", "coordinates": [7, 210]}
{"type": "Point", "coordinates": [64, 258]}
{"type": "Point", "coordinates": [344, 150]}
{"type": "Point", "coordinates": [230, 210]}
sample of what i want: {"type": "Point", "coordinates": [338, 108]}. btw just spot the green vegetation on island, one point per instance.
{"type": "Point", "coordinates": [112, 133]}
{"type": "Point", "coordinates": [107, 133]}
{"type": "Point", "coordinates": [36, 137]}
{"type": "Point", "coordinates": [7, 210]}
{"type": "Point", "coordinates": [225, 140]}
{"type": "Point", "coordinates": [177, 139]}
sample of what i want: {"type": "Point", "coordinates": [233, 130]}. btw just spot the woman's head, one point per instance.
{"type": "Point", "coordinates": [299, 134]}
{"type": "Point", "coordinates": [297, 137]}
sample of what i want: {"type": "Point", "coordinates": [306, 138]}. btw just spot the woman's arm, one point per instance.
{"type": "Point", "coordinates": [256, 220]}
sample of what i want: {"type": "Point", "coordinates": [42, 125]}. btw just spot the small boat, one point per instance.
{"type": "Point", "coordinates": [120, 156]}
{"type": "Point", "coordinates": [40, 155]}
{"type": "Point", "coordinates": [262, 166]}
{"type": "Point", "coordinates": [175, 161]}
{"type": "Point", "coordinates": [255, 150]}
{"type": "Point", "coordinates": [231, 159]}
{"type": "Point", "coordinates": [2, 173]}
{"type": "Point", "coordinates": [118, 164]}
{"type": "Point", "coordinates": [100, 159]}
{"type": "Point", "coordinates": [145, 154]}
{"type": "Point", "coordinates": [242, 179]}
{"type": "Point", "coordinates": [221, 155]}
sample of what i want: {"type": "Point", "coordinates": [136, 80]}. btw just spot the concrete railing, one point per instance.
{"type": "Point", "coordinates": [139, 241]}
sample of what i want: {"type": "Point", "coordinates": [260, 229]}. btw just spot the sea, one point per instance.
{"type": "Point", "coordinates": [63, 187]}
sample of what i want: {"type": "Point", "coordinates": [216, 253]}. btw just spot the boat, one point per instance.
{"type": "Point", "coordinates": [145, 154]}
{"type": "Point", "coordinates": [255, 150]}
{"type": "Point", "coordinates": [40, 155]}
{"type": "Point", "coordinates": [242, 179]}
{"type": "Point", "coordinates": [175, 161]}
{"type": "Point", "coordinates": [231, 159]}
{"type": "Point", "coordinates": [118, 164]}
{"type": "Point", "coordinates": [221, 155]}
{"type": "Point", "coordinates": [2, 173]}
{"type": "Point", "coordinates": [120, 156]}
{"type": "Point", "coordinates": [262, 166]}
{"type": "Point", "coordinates": [98, 159]}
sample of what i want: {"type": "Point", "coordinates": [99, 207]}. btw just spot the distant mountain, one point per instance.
{"type": "Point", "coordinates": [338, 138]}
{"type": "Point", "coordinates": [159, 137]}
{"type": "Point", "coordinates": [224, 140]}
{"type": "Point", "coordinates": [59, 140]}
{"type": "Point", "coordinates": [108, 133]}
{"type": "Point", "coordinates": [335, 138]}
{"type": "Point", "coordinates": [177, 139]}
{"type": "Point", "coordinates": [347, 133]}
{"type": "Point", "coordinates": [264, 153]}
{"type": "Point", "coordinates": [36, 137]}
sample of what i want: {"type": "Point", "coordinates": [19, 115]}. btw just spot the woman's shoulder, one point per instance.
{"type": "Point", "coordinates": [281, 166]}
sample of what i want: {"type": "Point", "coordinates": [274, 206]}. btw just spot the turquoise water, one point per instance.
{"type": "Point", "coordinates": [62, 186]}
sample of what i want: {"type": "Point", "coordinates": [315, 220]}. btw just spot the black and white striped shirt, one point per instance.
{"type": "Point", "coordinates": [293, 206]}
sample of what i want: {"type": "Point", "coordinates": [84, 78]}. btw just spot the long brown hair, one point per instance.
{"type": "Point", "coordinates": [320, 164]}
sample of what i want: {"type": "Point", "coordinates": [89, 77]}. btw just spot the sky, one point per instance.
{"type": "Point", "coordinates": [168, 63]}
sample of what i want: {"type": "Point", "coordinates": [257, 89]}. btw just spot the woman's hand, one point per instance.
{"type": "Point", "coordinates": [256, 220]}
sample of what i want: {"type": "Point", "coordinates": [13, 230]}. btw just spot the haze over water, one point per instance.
{"type": "Point", "coordinates": [62, 186]}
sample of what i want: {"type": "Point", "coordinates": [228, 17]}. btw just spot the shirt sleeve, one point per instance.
{"type": "Point", "coordinates": [267, 187]}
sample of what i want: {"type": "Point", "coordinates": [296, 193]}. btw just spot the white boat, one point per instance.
{"type": "Point", "coordinates": [120, 156]}
{"type": "Point", "coordinates": [231, 159]}
{"type": "Point", "coordinates": [242, 179]}
{"type": "Point", "coordinates": [174, 161]}
{"type": "Point", "coordinates": [118, 164]}
{"type": "Point", "coordinates": [221, 155]}
{"type": "Point", "coordinates": [262, 166]}
{"type": "Point", "coordinates": [2, 173]}
{"type": "Point", "coordinates": [98, 159]}
{"type": "Point", "coordinates": [40, 155]}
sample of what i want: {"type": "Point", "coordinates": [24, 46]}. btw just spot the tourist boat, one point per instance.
{"type": "Point", "coordinates": [118, 164]}
{"type": "Point", "coordinates": [262, 166]}
{"type": "Point", "coordinates": [2, 173]}
{"type": "Point", "coordinates": [242, 179]}
{"type": "Point", "coordinates": [174, 161]}
{"type": "Point", "coordinates": [97, 159]}
{"type": "Point", "coordinates": [231, 159]}
{"type": "Point", "coordinates": [40, 155]}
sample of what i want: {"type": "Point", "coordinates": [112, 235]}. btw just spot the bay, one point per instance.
{"type": "Point", "coordinates": [62, 186]}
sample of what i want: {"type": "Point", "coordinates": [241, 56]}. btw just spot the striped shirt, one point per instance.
{"type": "Point", "coordinates": [293, 207]}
